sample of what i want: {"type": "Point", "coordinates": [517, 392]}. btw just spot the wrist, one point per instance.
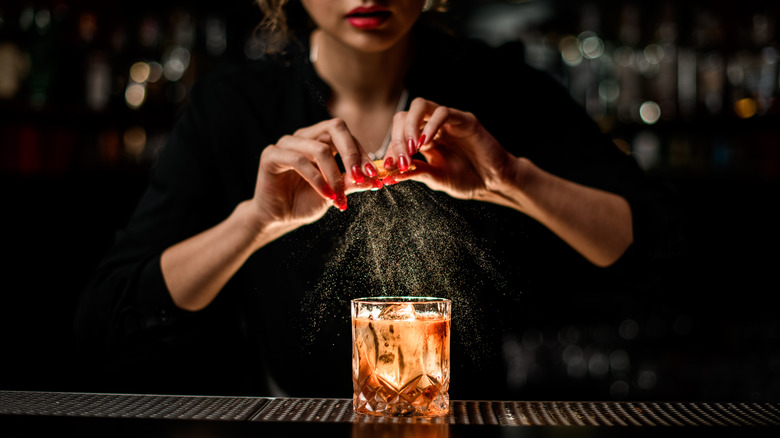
{"type": "Point", "coordinates": [518, 174]}
{"type": "Point", "coordinates": [260, 226]}
{"type": "Point", "coordinates": [253, 221]}
{"type": "Point", "coordinates": [512, 182]}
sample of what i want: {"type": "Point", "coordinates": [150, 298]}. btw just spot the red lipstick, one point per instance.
{"type": "Point", "coordinates": [368, 17]}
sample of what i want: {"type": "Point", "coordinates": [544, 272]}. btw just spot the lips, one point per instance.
{"type": "Point", "coordinates": [368, 17]}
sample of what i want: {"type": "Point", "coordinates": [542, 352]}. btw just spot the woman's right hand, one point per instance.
{"type": "Point", "coordinates": [299, 179]}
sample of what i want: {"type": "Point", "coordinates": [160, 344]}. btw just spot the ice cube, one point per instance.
{"type": "Point", "coordinates": [403, 312]}
{"type": "Point", "coordinates": [365, 313]}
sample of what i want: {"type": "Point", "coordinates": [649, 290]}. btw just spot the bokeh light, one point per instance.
{"type": "Point", "coordinates": [619, 389]}
{"type": "Point", "coordinates": [175, 63]}
{"type": "Point", "coordinates": [647, 379]}
{"type": "Point", "coordinates": [135, 95]}
{"type": "Point", "coordinates": [135, 141]}
{"type": "Point", "coordinates": [654, 54]}
{"type": "Point", "coordinates": [570, 50]}
{"type": "Point", "coordinates": [646, 149]}
{"type": "Point", "coordinates": [650, 112]}
{"type": "Point", "coordinates": [619, 361]}
{"type": "Point", "coordinates": [592, 47]}
{"type": "Point", "coordinates": [155, 72]}
{"type": "Point", "coordinates": [745, 108]}
{"type": "Point", "coordinates": [598, 365]}
{"type": "Point", "coordinates": [140, 71]}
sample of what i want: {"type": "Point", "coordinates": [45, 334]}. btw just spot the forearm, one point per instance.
{"type": "Point", "coordinates": [594, 222]}
{"type": "Point", "coordinates": [195, 270]}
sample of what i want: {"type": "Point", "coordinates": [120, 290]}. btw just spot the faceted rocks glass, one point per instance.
{"type": "Point", "coordinates": [401, 356]}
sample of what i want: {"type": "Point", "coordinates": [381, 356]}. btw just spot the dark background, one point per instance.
{"type": "Point", "coordinates": [73, 162]}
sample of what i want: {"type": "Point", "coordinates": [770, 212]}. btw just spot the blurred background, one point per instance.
{"type": "Point", "coordinates": [90, 89]}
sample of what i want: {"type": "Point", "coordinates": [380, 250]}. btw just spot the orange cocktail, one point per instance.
{"type": "Point", "coordinates": [401, 356]}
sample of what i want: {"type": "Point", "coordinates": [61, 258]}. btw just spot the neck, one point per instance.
{"type": "Point", "coordinates": [364, 78]}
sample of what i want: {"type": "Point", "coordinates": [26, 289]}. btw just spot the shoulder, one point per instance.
{"type": "Point", "coordinates": [268, 97]}
{"type": "Point", "coordinates": [237, 80]}
{"type": "Point", "coordinates": [229, 107]}
{"type": "Point", "coordinates": [473, 72]}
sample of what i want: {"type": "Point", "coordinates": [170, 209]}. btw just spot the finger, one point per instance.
{"type": "Point", "coordinates": [406, 127]}
{"type": "Point", "coordinates": [401, 149]}
{"type": "Point", "coordinates": [435, 122]}
{"type": "Point", "coordinates": [277, 160]}
{"type": "Point", "coordinates": [354, 158]}
{"type": "Point", "coordinates": [317, 132]}
{"type": "Point", "coordinates": [420, 111]}
{"type": "Point", "coordinates": [335, 133]}
{"type": "Point", "coordinates": [319, 153]}
{"type": "Point", "coordinates": [418, 171]}
{"type": "Point", "coordinates": [397, 147]}
{"type": "Point", "coordinates": [370, 184]}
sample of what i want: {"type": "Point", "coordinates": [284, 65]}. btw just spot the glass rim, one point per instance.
{"type": "Point", "coordinates": [401, 299]}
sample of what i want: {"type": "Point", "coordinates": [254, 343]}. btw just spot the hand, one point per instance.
{"type": "Point", "coordinates": [462, 158]}
{"type": "Point", "coordinates": [466, 162]}
{"type": "Point", "coordinates": [299, 179]}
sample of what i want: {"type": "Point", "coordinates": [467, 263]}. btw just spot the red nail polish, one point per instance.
{"type": "Point", "coordinates": [341, 202]}
{"type": "Point", "coordinates": [378, 183]}
{"type": "Point", "coordinates": [421, 142]}
{"type": "Point", "coordinates": [341, 197]}
{"type": "Point", "coordinates": [370, 169]}
{"type": "Point", "coordinates": [389, 163]}
{"type": "Point", "coordinates": [389, 180]}
{"type": "Point", "coordinates": [357, 175]}
{"type": "Point", "coordinates": [410, 147]}
{"type": "Point", "coordinates": [329, 192]}
{"type": "Point", "coordinates": [403, 163]}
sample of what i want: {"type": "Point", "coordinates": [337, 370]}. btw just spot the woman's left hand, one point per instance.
{"type": "Point", "coordinates": [461, 157]}
{"type": "Point", "coordinates": [467, 162]}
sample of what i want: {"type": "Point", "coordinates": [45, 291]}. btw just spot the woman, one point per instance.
{"type": "Point", "coordinates": [203, 274]}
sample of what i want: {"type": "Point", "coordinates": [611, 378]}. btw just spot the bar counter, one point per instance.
{"type": "Point", "coordinates": [56, 414]}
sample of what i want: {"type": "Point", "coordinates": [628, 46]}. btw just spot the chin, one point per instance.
{"type": "Point", "coordinates": [376, 41]}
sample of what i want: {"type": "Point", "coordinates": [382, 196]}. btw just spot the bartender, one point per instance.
{"type": "Point", "coordinates": [233, 274]}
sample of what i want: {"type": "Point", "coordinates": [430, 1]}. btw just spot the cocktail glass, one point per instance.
{"type": "Point", "coordinates": [401, 356]}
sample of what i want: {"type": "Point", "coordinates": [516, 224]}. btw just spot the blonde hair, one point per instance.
{"type": "Point", "coordinates": [286, 20]}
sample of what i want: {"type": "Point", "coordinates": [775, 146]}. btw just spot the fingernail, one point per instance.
{"type": "Point", "coordinates": [329, 192]}
{"type": "Point", "coordinates": [370, 169]}
{"type": "Point", "coordinates": [378, 184]}
{"type": "Point", "coordinates": [357, 175]}
{"type": "Point", "coordinates": [341, 196]}
{"type": "Point", "coordinates": [389, 180]}
{"type": "Point", "coordinates": [421, 142]}
{"type": "Point", "coordinates": [410, 146]}
{"type": "Point", "coordinates": [389, 163]}
{"type": "Point", "coordinates": [403, 163]}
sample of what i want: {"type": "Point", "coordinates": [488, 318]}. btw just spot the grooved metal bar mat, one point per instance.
{"type": "Point", "coordinates": [505, 413]}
